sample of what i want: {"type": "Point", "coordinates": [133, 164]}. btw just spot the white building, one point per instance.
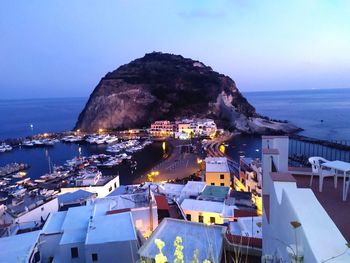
{"type": "Point", "coordinates": [208, 240]}
{"type": "Point", "coordinates": [295, 221]}
{"type": "Point", "coordinates": [250, 175]}
{"type": "Point", "coordinates": [88, 234]}
{"type": "Point", "coordinates": [207, 212]}
{"type": "Point", "coordinates": [144, 212]}
{"type": "Point", "coordinates": [192, 190]}
{"type": "Point", "coordinates": [101, 186]}
{"type": "Point", "coordinates": [172, 191]}
{"type": "Point", "coordinates": [29, 212]}
{"type": "Point", "coordinates": [20, 248]}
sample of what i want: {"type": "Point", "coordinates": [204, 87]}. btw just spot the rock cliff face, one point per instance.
{"type": "Point", "coordinates": [165, 86]}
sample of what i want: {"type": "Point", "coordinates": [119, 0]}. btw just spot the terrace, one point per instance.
{"type": "Point", "coordinates": [288, 198]}
{"type": "Point", "coordinates": [331, 201]}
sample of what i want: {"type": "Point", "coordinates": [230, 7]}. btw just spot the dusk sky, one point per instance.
{"type": "Point", "coordinates": [63, 48]}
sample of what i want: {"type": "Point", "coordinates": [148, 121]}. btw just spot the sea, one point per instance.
{"type": "Point", "coordinates": [323, 114]}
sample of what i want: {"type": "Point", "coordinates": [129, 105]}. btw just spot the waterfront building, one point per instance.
{"type": "Point", "coordinates": [207, 240]}
{"type": "Point", "coordinates": [188, 128]}
{"type": "Point", "coordinates": [217, 171]}
{"type": "Point", "coordinates": [93, 183]}
{"type": "Point", "coordinates": [162, 128]}
{"type": "Point", "coordinates": [184, 130]}
{"type": "Point", "coordinates": [27, 213]}
{"type": "Point", "coordinates": [89, 234]}
{"type": "Point", "coordinates": [300, 222]}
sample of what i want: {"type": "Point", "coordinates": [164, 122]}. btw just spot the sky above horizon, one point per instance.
{"type": "Point", "coordinates": [62, 48]}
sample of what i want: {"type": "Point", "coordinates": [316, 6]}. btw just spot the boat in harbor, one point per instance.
{"type": "Point", "coordinates": [72, 138]}
{"type": "Point", "coordinates": [20, 174]}
{"type": "Point", "coordinates": [27, 143]}
{"type": "Point", "coordinates": [5, 147]}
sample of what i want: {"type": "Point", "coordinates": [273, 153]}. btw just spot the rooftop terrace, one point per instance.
{"type": "Point", "coordinates": [215, 191]}
{"type": "Point", "coordinates": [331, 200]}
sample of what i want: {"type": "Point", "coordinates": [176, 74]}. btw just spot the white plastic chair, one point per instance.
{"type": "Point", "coordinates": [321, 172]}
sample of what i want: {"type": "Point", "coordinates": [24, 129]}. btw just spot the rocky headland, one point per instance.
{"type": "Point", "coordinates": [165, 86]}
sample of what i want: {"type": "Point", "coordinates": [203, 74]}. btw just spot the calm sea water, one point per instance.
{"type": "Point", "coordinates": [323, 114]}
{"type": "Point", "coordinates": [46, 115]}
{"type": "Point", "coordinates": [306, 109]}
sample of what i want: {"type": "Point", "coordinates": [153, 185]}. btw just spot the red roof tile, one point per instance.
{"type": "Point", "coordinates": [162, 203]}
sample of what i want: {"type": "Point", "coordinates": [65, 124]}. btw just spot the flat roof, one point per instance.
{"type": "Point", "coordinates": [75, 224]}
{"type": "Point", "coordinates": [194, 187]}
{"type": "Point", "coordinates": [79, 195]}
{"type": "Point", "coordinates": [18, 248]}
{"type": "Point", "coordinates": [215, 191]}
{"type": "Point", "coordinates": [54, 223]}
{"type": "Point", "coordinates": [216, 165]}
{"type": "Point", "coordinates": [111, 228]}
{"type": "Point", "coordinates": [171, 188]}
{"type": "Point", "coordinates": [207, 239]}
{"type": "Point", "coordinates": [202, 205]}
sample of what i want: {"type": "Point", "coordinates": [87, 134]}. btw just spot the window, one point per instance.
{"type": "Point", "coordinates": [222, 176]}
{"type": "Point", "coordinates": [222, 184]}
{"type": "Point", "coordinates": [200, 219]}
{"type": "Point", "coordinates": [74, 252]}
{"type": "Point", "coordinates": [110, 189]}
{"type": "Point", "coordinates": [188, 217]}
{"type": "Point", "coordinates": [212, 220]}
{"type": "Point", "coordinates": [212, 183]}
{"type": "Point", "coordinates": [94, 257]}
{"type": "Point", "coordinates": [42, 209]}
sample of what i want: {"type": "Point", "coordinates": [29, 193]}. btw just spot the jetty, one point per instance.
{"type": "Point", "coordinates": [13, 168]}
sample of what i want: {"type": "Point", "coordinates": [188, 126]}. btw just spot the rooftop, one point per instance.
{"type": "Point", "coordinates": [215, 191]}
{"type": "Point", "coordinates": [18, 248]}
{"type": "Point", "coordinates": [216, 165]}
{"type": "Point", "coordinates": [331, 200]}
{"type": "Point", "coordinates": [54, 223]}
{"type": "Point", "coordinates": [98, 225]}
{"type": "Point", "coordinates": [194, 236]}
{"type": "Point", "coordinates": [103, 180]}
{"type": "Point", "coordinates": [29, 203]}
{"type": "Point", "coordinates": [72, 197]}
{"type": "Point", "coordinates": [203, 206]}
{"type": "Point", "coordinates": [194, 187]}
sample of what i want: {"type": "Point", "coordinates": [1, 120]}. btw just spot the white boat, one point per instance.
{"type": "Point", "coordinates": [48, 142]}
{"type": "Point", "coordinates": [28, 143]}
{"type": "Point", "coordinates": [111, 163]}
{"type": "Point", "coordinates": [5, 147]}
{"type": "Point", "coordinates": [72, 138]}
{"type": "Point", "coordinates": [38, 142]}
{"type": "Point", "coordinates": [19, 174]}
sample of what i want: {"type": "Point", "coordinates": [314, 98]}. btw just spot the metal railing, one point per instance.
{"type": "Point", "coordinates": [301, 150]}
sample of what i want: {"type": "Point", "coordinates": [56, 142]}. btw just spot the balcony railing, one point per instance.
{"type": "Point", "coordinates": [300, 149]}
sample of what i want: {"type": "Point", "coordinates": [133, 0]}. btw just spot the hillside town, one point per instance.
{"type": "Point", "coordinates": [226, 211]}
